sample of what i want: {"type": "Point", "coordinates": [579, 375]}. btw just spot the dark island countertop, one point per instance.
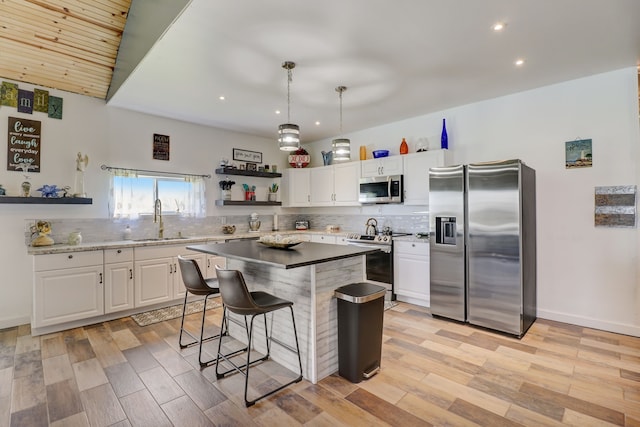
{"type": "Point", "coordinates": [306, 253]}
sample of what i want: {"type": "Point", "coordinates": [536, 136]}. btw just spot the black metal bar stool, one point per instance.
{"type": "Point", "coordinates": [196, 284]}
{"type": "Point", "coordinates": [237, 299]}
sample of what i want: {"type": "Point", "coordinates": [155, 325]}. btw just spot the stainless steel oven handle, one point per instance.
{"type": "Point", "coordinates": [383, 248]}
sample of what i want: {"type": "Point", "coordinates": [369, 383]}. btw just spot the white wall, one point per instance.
{"type": "Point", "coordinates": [113, 137]}
{"type": "Point", "coordinates": [586, 275]}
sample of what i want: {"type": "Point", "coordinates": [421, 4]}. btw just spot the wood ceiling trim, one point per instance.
{"type": "Point", "coordinates": [69, 45]}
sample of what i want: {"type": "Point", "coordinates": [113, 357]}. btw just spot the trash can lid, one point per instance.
{"type": "Point", "coordinates": [360, 292]}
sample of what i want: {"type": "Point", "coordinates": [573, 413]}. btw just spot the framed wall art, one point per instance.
{"type": "Point", "coordinates": [578, 154]}
{"type": "Point", "coordinates": [247, 156]}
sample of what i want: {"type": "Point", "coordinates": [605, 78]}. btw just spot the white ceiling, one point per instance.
{"type": "Point", "coordinates": [399, 59]}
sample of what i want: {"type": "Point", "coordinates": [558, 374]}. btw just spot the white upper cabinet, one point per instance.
{"type": "Point", "coordinates": [383, 166]}
{"type": "Point", "coordinates": [296, 185]}
{"type": "Point", "coordinates": [416, 175]}
{"type": "Point", "coordinates": [335, 185]}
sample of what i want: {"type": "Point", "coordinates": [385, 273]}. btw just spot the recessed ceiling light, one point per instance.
{"type": "Point", "coordinates": [499, 26]}
{"type": "Point", "coordinates": [317, 123]}
{"type": "Point", "coordinates": [519, 62]}
{"type": "Point", "coordinates": [277, 111]}
{"type": "Point", "coordinates": [221, 97]}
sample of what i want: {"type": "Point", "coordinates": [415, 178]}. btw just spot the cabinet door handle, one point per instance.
{"type": "Point", "coordinates": [100, 278]}
{"type": "Point", "coordinates": [208, 262]}
{"type": "Point", "coordinates": [70, 257]}
{"type": "Point", "coordinates": [119, 251]}
{"type": "Point", "coordinates": [131, 273]}
{"type": "Point", "coordinates": [175, 268]}
{"type": "Point", "coordinates": [170, 268]}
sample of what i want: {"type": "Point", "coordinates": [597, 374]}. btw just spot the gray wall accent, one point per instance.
{"type": "Point", "coordinates": [146, 23]}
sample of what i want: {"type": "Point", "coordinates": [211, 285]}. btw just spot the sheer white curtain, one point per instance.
{"type": "Point", "coordinates": [195, 204]}
{"type": "Point", "coordinates": [121, 194]}
{"type": "Point", "coordinates": [127, 195]}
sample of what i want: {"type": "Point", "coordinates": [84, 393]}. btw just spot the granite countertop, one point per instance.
{"type": "Point", "coordinates": [92, 246]}
{"type": "Point", "coordinates": [305, 253]}
{"type": "Point", "coordinates": [412, 238]}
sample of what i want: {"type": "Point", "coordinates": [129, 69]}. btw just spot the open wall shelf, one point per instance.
{"type": "Point", "coordinates": [46, 200]}
{"type": "Point", "coordinates": [231, 171]}
{"type": "Point", "coordinates": [246, 203]}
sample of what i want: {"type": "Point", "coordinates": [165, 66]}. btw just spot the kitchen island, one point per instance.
{"type": "Point", "coordinates": [306, 274]}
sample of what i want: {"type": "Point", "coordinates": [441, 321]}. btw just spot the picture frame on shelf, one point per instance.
{"type": "Point", "coordinates": [252, 166]}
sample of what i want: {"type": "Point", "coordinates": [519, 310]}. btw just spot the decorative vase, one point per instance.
{"type": "Point", "coordinates": [226, 194]}
{"type": "Point", "coordinates": [363, 152]}
{"type": "Point", "coordinates": [404, 148]}
{"type": "Point", "coordinates": [272, 197]}
{"type": "Point", "coordinates": [75, 238]}
{"type": "Point", "coordinates": [444, 139]}
{"type": "Point", "coordinates": [26, 189]}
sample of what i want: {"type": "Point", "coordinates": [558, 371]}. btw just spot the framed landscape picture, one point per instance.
{"type": "Point", "coordinates": [578, 154]}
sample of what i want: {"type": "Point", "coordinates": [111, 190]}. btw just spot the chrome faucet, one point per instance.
{"type": "Point", "coordinates": [157, 218]}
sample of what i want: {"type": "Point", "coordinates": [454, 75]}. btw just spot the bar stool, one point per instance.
{"type": "Point", "coordinates": [237, 299]}
{"type": "Point", "coordinates": [196, 284]}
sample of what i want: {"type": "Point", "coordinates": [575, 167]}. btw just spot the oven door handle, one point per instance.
{"type": "Point", "coordinates": [383, 248]}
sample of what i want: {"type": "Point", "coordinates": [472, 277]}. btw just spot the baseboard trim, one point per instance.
{"type": "Point", "coordinates": [588, 322]}
{"type": "Point", "coordinates": [14, 321]}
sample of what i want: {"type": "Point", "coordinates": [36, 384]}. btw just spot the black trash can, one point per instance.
{"type": "Point", "coordinates": [360, 313]}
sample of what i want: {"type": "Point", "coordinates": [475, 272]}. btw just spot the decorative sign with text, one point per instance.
{"type": "Point", "coordinates": [29, 102]}
{"type": "Point", "coordinates": [160, 147]}
{"type": "Point", "coordinates": [23, 145]}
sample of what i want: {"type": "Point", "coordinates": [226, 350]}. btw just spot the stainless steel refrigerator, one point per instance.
{"type": "Point", "coordinates": [483, 244]}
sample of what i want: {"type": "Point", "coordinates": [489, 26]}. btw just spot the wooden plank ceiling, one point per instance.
{"type": "Point", "coordinates": [69, 45]}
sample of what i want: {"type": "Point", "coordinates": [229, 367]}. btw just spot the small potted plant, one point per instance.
{"type": "Point", "coordinates": [273, 193]}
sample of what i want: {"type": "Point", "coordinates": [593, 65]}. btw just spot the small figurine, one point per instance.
{"type": "Point", "coordinates": [49, 190]}
{"type": "Point", "coordinates": [81, 166]}
{"type": "Point", "coordinates": [42, 229]}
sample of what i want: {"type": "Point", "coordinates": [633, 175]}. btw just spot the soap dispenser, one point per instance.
{"type": "Point", "coordinates": [127, 233]}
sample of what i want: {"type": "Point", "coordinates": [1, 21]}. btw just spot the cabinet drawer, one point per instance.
{"type": "Point", "coordinates": [411, 248]}
{"type": "Point", "coordinates": [118, 255]}
{"type": "Point", "coordinates": [151, 252]}
{"type": "Point", "coordinates": [66, 260]}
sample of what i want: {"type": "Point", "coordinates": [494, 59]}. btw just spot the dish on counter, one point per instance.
{"type": "Point", "coordinates": [278, 241]}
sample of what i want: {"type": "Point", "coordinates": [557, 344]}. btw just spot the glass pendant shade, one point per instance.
{"type": "Point", "coordinates": [289, 137]}
{"type": "Point", "coordinates": [341, 150]}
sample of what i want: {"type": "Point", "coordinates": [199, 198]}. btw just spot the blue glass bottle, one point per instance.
{"type": "Point", "coordinates": [444, 139]}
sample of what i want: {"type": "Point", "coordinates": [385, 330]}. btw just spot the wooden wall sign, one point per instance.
{"type": "Point", "coordinates": [160, 147]}
{"type": "Point", "coordinates": [23, 145]}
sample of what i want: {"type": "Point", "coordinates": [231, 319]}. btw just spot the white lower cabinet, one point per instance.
{"type": "Point", "coordinates": [212, 261]}
{"type": "Point", "coordinates": [323, 238]}
{"type": "Point", "coordinates": [411, 272]}
{"type": "Point", "coordinates": [157, 274]}
{"type": "Point", "coordinates": [118, 280]}
{"type": "Point", "coordinates": [67, 287]}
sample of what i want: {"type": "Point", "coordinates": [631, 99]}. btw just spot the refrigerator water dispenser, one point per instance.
{"type": "Point", "coordinates": [446, 230]}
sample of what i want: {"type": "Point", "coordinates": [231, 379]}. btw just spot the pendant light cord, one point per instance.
{"type": "Point", "coordinates": [289, 79]}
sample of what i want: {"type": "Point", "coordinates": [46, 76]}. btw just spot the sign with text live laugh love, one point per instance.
{"type": "Point", "coordinates": [27, 102]}
{"type": "Point", "coordinates": [23, 145]}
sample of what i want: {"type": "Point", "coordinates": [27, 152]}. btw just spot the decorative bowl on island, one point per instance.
{"type": "Point", "coordinates": [228, 229]}
{"type": "Point", "coordinates": [279, 242]}
{"type": "Point", "coordinates": [380, 153]}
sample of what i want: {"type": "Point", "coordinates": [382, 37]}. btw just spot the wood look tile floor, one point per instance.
{"type": "Point", "coordinates": [434, 372]}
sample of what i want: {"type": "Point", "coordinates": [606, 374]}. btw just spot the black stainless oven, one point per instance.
{"type": "Point", "coordinates": [379, 265]}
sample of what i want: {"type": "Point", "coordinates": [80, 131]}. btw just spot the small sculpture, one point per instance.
{"type": "Point", "coordinates": [49, 190]}
{"type": "Point", "coordinates": [81, 166]}
{"type": "Point", "coordinates": [42, 229]}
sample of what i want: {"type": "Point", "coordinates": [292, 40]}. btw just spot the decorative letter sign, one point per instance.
{"type": "Point", "coordinates": [23, 144]}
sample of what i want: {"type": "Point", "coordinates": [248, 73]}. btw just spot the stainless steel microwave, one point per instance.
{"type": "Point", "coordinates": [381, 189]}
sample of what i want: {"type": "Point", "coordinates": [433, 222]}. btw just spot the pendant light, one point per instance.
{"type": "Point", "coordinates": [288, 133]}
{"type": "Point", "coordinates": [341, 146]}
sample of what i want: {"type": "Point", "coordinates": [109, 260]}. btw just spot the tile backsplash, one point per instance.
{"type": "Point", "coordinates": [105, 230]}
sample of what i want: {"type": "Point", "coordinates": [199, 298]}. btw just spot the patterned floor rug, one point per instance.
{"type": "Point", "coordinates": [166, 313]}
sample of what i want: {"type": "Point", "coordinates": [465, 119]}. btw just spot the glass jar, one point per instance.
{"type": "Point", "coordinates": [75, 238]}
